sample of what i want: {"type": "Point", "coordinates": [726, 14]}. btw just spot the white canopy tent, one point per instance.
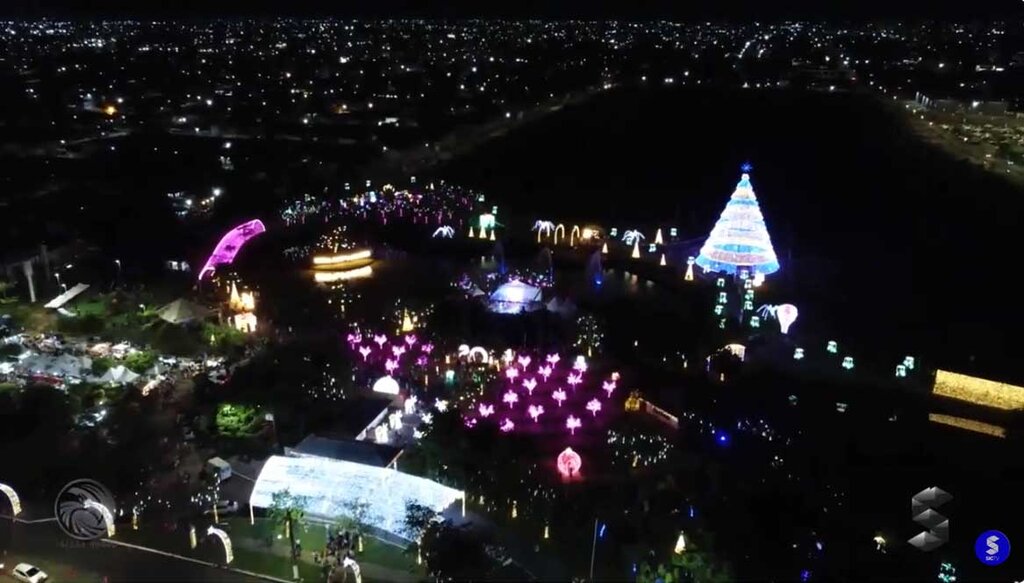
{"type": "Point", "coordinates": [119, 375]}
{"type": "Point", "coordinates": [64, 365]}
{"type": "Point", "coordinates": [67, 296]}
{"type": "Point", "coordinates": [181, 311]}
{"type": "Point", "coordinates": [330, 485]}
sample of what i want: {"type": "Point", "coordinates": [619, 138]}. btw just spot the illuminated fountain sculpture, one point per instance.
{"type": "Point", "coordinates": [740, 240]}
{"type": "Point", "coordinates": [229, 245]}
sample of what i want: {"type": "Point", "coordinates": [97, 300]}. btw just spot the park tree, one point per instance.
{"type": "Point", "coordinates": [235, 420]}
{"type": "Point", "coordinates": [287, 510]}
{"type": "Point", "coordinates": [358, 516]}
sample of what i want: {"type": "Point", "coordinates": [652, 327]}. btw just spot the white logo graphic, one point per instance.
{"type": "Point", "coordinates": [993, 548]}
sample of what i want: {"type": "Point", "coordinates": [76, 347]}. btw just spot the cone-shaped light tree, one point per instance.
{"type": "Point", "coordinates": [739, 240]}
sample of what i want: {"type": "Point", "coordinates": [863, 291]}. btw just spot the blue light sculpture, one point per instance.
{"type": "Point", "coordinates": [740, 240]}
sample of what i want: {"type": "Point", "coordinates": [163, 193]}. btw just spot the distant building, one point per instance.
{"type": "Point", "coordinates": [955, 105]}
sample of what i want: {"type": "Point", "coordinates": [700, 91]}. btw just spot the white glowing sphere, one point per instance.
{"type": "Point", "coordinates": [386, 385]}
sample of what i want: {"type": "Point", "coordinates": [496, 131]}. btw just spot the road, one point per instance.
{"type": "Point", "coordinates": [65, 559]}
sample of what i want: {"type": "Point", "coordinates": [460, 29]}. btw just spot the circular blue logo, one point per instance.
{"type": "Point", "coordinates": [992, 548]}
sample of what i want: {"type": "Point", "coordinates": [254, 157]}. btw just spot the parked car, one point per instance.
{"type": "Point", "coordinates": [28, 573]}
{"type": "Point", "coordinates": [223, 507]}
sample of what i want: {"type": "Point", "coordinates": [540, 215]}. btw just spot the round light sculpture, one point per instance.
{"type": "Point", "coordinates": [569, 463]}
{"type": "Point", "coordinates": [386, 385]}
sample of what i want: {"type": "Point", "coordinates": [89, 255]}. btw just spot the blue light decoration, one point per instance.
{"type": "Point", "coordinates": [673, 232]}
{"type": "Point", "coordinates": [755, 322]}
{"type": "Point", "coordinates": [719, 309]}
{"type": "Point", "coordinates": [832, 347]}
{"type": "Point", "coordinates": [693, 512]}
{"type": "Point", "coordinates": [720, 282]}
{"type": "Point", "coordinates": [722, 438]}
{"type": "Point", "coordinates": [723, 298]}
{"type": "Point", "coordinates": [600, 533]}
{"type": "Point", "coordinates": [739, 240]}
{"type": "Point", "coordinates": [614, 232]}
{"type": "Point", "coordinates": [652, 248]}
{"type": "Point", "coordinates": [798, 354]}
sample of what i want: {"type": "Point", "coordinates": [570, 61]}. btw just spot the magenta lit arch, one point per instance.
{"type": "Point", "coordinates": [230, 243]}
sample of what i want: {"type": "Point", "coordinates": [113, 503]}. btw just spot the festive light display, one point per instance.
{"type": "Point", "coordinates": [330, 261]}
{"type": "Point", "coordinates": [13, 498]}
{"type": "Point", "coordinates": [658, 239]}
{"type": "Point", "coordinates": [848, 362]}
{"type": "Point", "coordinates": [832, 347]}
{"type": "Point", "coordinates": [535, 411]}
{"type": "Point", "coordinates": [230, 244]}
{"type": "Point", "coordinates": [968, 424]}
{"type": "Point", "coordinates": [798, 354]}
{"type": "Point", "coordinates": [594, 406]}
{"type": "Point", "coordinates": [572, 423]}
{"type": "Point", "coordinates": [978, 391]}
{"type": "Point", "coordinates": [335, 276]}
{"type": "Point", "coordinates": [530, 385]}
{"type": "Point", "coordinates": [445, 231]}
{"type": "Point", "coordinates": [511, 398]}
{"type": "Point", "coordinates": [569, 463]}
{"type": "Point", "coordinates": [739, 239]}
{"type": "Point", "coordinates": [543, 228]}
{"type": "Point", "coordinates": [559, 395]}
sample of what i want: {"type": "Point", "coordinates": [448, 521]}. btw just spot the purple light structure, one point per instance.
{"type": "Point", "coordinates": [524, 361]}
{"type": "Point", "coordinates": [427, 347]}
{"type": "Point", "coordinates": [398, 351]}
{"type": "Point", "coordinates": [594, 406]}
{"type": "Point", "coordinates": [545, 371]}
{"type": "Point", "coordinates": [511, 398]}
{"type": "Point", "coordinates": [229, 245]}
{"type": "Point", "coordinates": [365, 351]}
{"type": "Point", "coordinates": [485, 410]}
{"type": "Point", "coordinates": [574, 379]}
{"type": "Point", "coordinates": [530, 385]}
{"type": "Point", "coordinates": [572, 424]}
{"type": "Point", "coordinates": [553, 359]}
{"type": "Point", "coordinates": [391, 365]}
{"type": "Point", "coordinates": [354, 339]}
{"type": "Point", "coordinates": [380, 339]}
{"type": "Point", "coordinates": [507, 425]}
{"type": "Point", "coordinates": [410, 339]}
{"type": "Point", "coordinates": [608, 387]}
{"type": "Point", "coordinates": [512, 373]}
{"type": "Point", "coordinates": [558, 395]}
{"type": "Point", "coordinates": [535, 411]}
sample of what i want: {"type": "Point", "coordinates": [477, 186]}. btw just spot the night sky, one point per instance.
{"type": "Point", "coordinates": [629, 9]}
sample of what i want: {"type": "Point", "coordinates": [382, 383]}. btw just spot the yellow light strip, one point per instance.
{"type": "Point", "coordinates": [320, 260]}
{"type": "Point", "coordinates": [968, 424]}
{"type": "Point", "coordinates": [978, 391]}
{"type": "Point", "coordinates": [333, 276]}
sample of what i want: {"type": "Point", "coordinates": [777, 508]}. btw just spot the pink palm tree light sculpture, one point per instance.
{"type": "Point", "coordinates": [485, 410]}
{"type": "Point", "coordinates": [524, 361]}
{"type": "Point", "coordinates": [391, 365]}
{"type": "Point", "coordinates": [535, 411]}
{"type": "Point", "coordinates": [380, 339]}
{"type": "Point", "coordinates": [410, 339]}
{"type": "Point", "coordinates": [545, 371]}
{"type": "Point", "coordinates": [398, 350]}
{"type": "Point", "coordinates": [558, 395]}
{"type": "Point", "coordinates": [427, 347]}
{"type": "Point", "coordinates": [608, 387]}
{"type": "Point", "coordinates": [594, 406]}
{"type": "Point", "coordinates": [530, 385]}
{"type": "Point", "coordinates": [511, 398]}
{"type": "Point", "coordinates": [580, 364]}
{"type": "Point", "coordinates": [507, 425]}
{"type": "Point", "coordinates": [553, 359]}
{"type": "Point", "coordinates": [574, 379]}
{"type": "Point", "coordinates": [512, 373]}
{"type": "Point", "coordinates": [354, 339]}
{"type": "Point", "coordinates": [573, 423]}
{"type": "Point", "coordinates": [365, 351]}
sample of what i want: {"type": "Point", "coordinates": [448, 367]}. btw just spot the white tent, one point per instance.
{"type": "Point", "coordinates": [330, 486]}
{"type": "Point", "coordinates": [64, 365]}
{"type": "Point", "coordinates": [118, 375]}
{"type": "Point", "coordinates": [181, 310]}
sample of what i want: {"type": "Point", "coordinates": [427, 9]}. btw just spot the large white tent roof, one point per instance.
{"type": "Point", "coordinates": [516, 292]}
{"type": "Point", "coordinates": [330, 485]}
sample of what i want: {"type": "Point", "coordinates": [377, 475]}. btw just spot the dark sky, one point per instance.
{"type": "Point", "coordinates": [630, 9]}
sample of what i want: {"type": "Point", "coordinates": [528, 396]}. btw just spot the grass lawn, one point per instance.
{"type": "Point", "coordinates": [33, 317]}
{"type": "Point", "coordinates": [313, 538]}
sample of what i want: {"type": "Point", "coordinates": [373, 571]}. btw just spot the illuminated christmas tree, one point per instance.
{"type": "Point", "coordinates": [739, 240]}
